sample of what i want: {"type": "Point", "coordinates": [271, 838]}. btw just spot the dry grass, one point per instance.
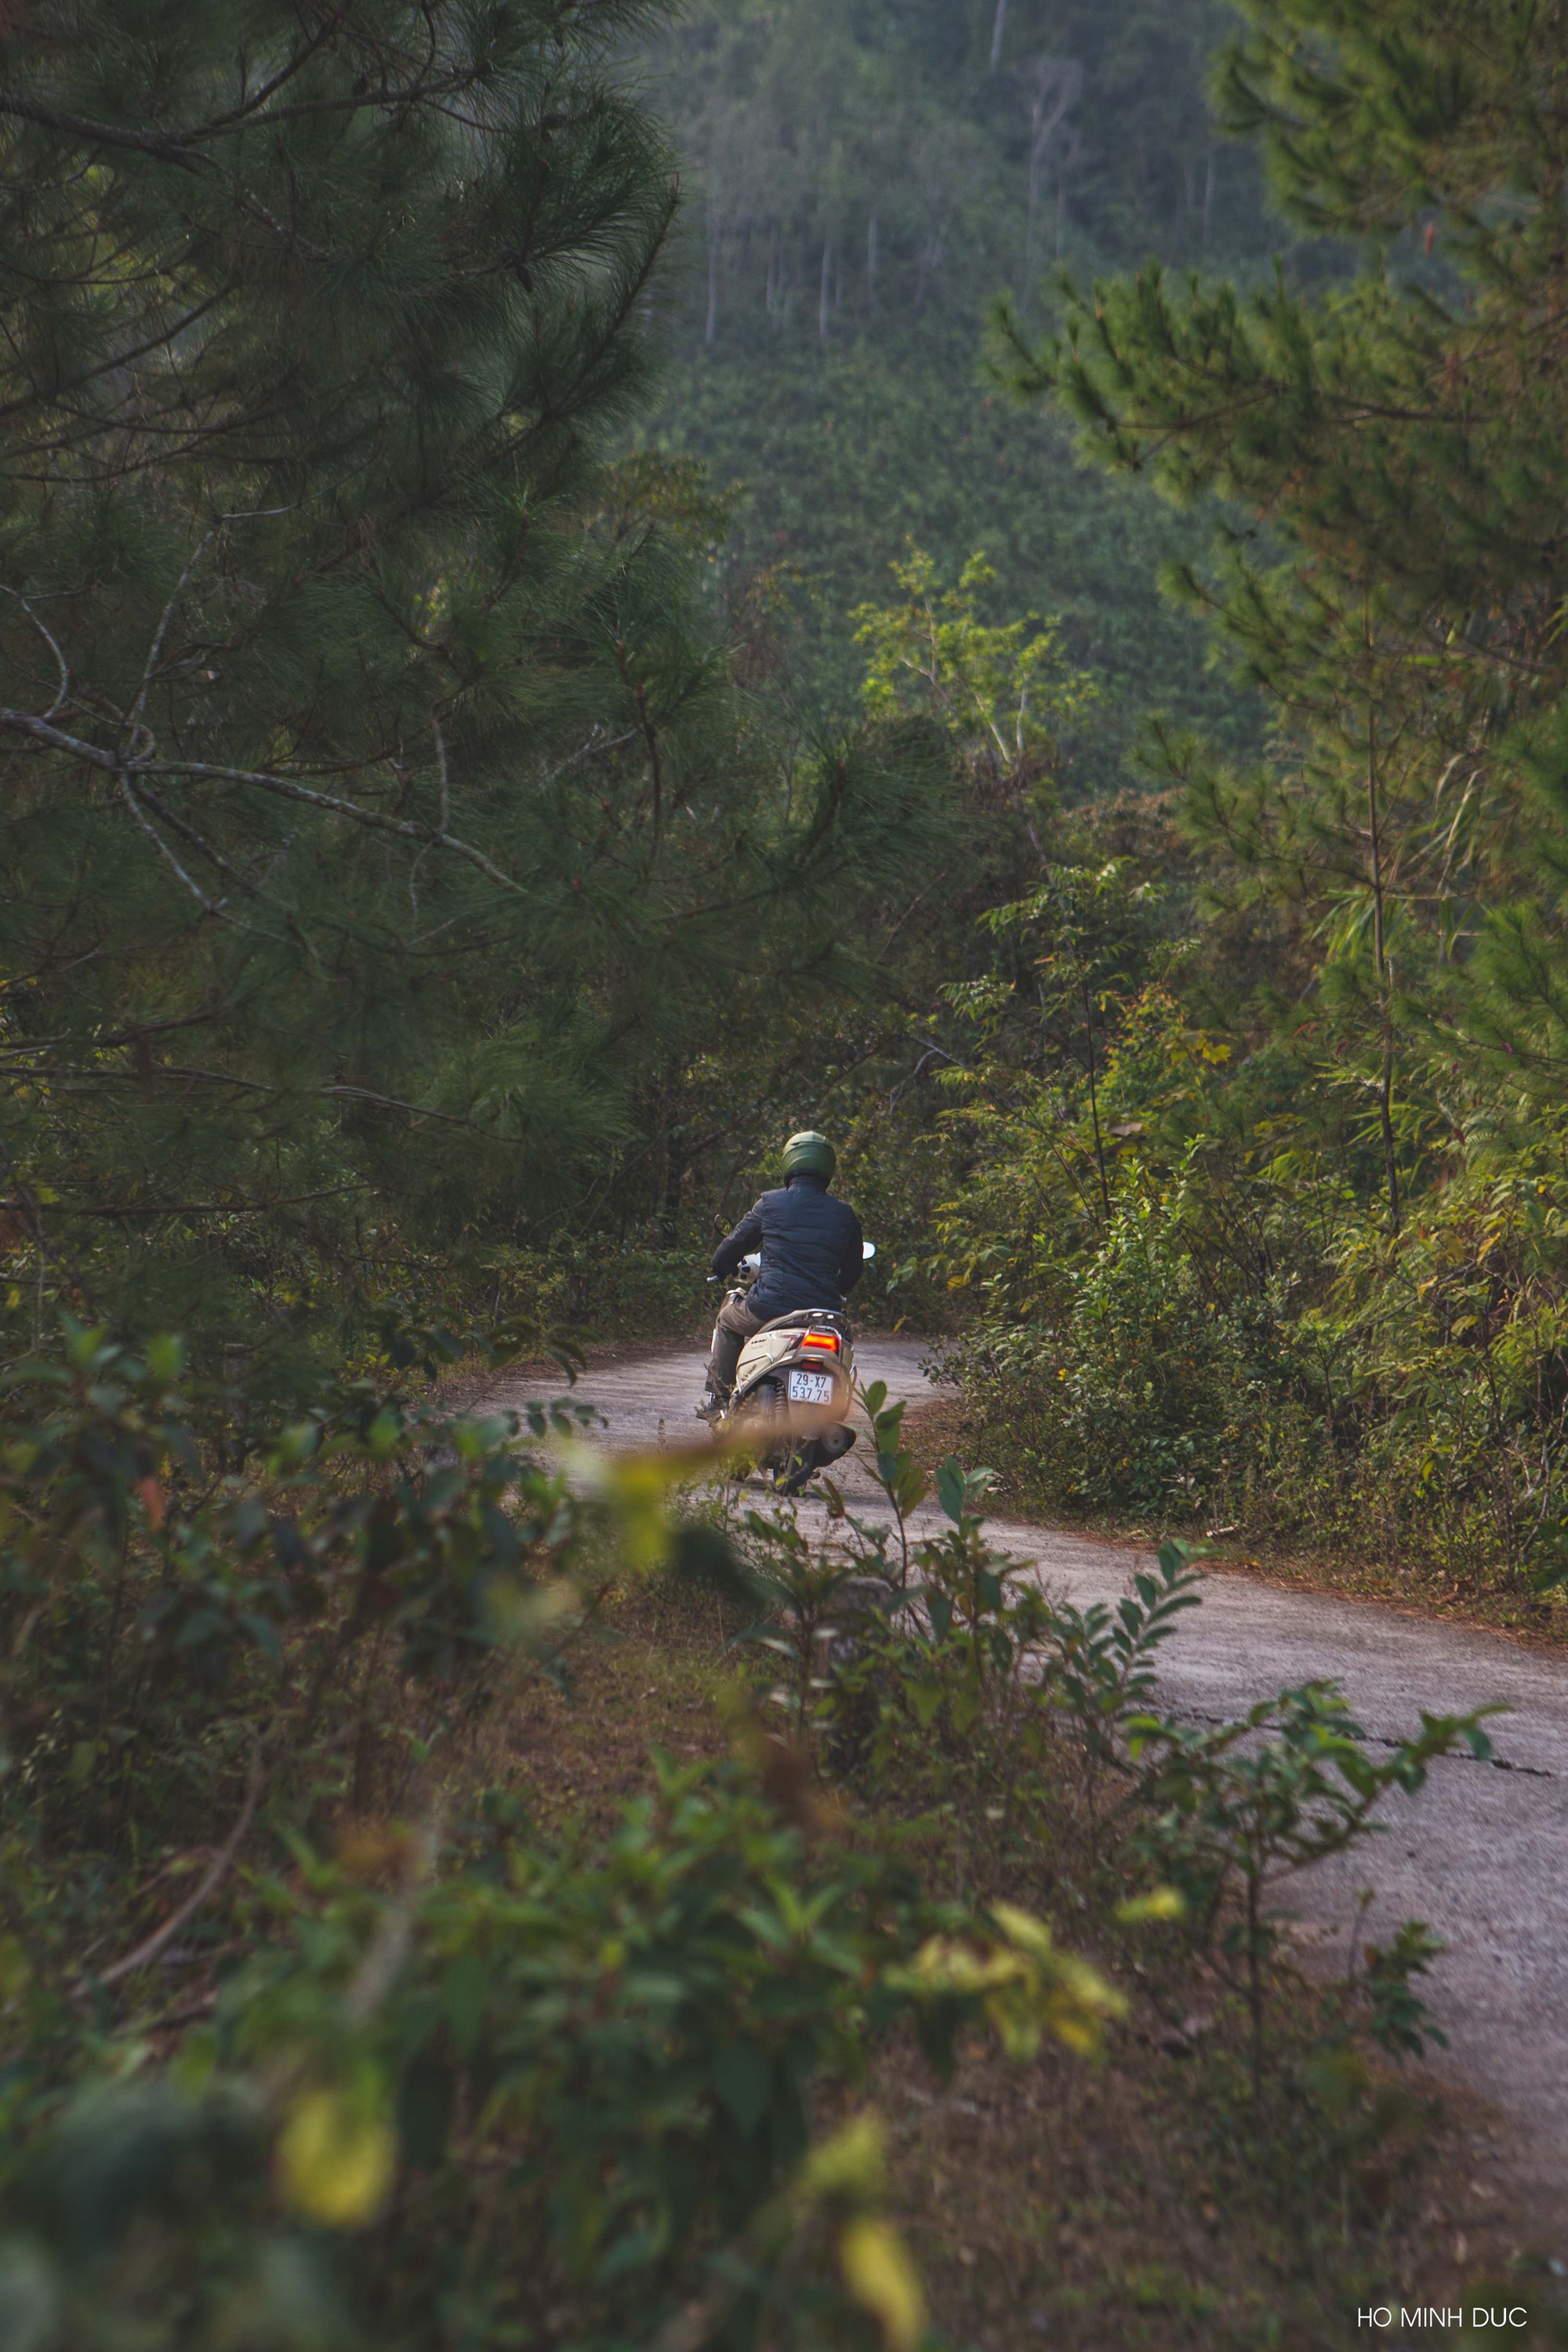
{"type": "Point", "coordinates": [645, 1679]}
{"type": "Point", "coordinates": [1129, 2203]}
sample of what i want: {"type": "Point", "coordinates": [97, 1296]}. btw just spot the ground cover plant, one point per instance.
{"type": "Point", "coordinates": [354, 1985]}
{"type": "Point", "coordinates": [305, 2082]}
{"type": "Point", "coordinates": [1008, 1741]}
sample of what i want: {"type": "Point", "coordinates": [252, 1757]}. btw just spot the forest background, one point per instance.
{"type": "Point", "coordinates": [774, 645]}
{"type": "Point", "coordinates": [576, 591]}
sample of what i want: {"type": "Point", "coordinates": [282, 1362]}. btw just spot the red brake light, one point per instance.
{"type": "Point", "coordinates": [829, 1340]}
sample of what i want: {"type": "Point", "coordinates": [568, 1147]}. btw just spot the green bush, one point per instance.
{"type": "Point", "coordinates": [962, 1686]}
{"type": "Point", "coordinates": [522, 2090]}
{"type": "Point", "coordinates": [1137, 1389]}
{"type": "Point", "coordinates": [457, 2079]}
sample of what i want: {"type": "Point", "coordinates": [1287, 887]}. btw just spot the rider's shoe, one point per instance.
{"type": "Point", "coordinates": [712, 1406]}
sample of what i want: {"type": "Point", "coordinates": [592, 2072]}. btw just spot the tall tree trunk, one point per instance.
{"type": "Point", "coordinates": [1385, 977]}
{"type": "Point", "coordinates": [1094, 1103]}
{"type": "Point", "coordinates": [930, 254]}
{"type": "Point", "coordinates": [1061, 82]}
{"type": "Point", "coordinates": [714, 233]}
{"type": "Point", "coordinates": [823, 290]}
{"type": "Point", "coordinates": [1208, 196]}
{"type": "Point", "coordinates": [997, 29]}
{"type": "Point", "coordinates": [871, 267]}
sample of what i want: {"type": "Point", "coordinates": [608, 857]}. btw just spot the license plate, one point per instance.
{"type": "Point", "coordinates": [811, 1388]}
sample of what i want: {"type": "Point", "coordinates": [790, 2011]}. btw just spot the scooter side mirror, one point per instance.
{"type": "Point", "coordinates": [868, 1249]}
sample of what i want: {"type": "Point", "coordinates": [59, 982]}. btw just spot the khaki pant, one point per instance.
{"type": "Point", "coordinates": [736, 1325]}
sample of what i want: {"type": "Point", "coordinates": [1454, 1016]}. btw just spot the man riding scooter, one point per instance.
{"type": "Point", "coordinates": [812, 1257]}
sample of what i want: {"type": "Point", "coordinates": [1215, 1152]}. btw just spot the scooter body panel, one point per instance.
{"type": "Point", "coordinates": [810, 1434]}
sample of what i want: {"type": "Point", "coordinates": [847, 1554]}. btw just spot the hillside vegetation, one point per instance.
{"type": "Point", "coordinates": [867, 181]}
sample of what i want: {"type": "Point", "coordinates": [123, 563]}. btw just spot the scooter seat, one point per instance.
{"type": "Point", "coordinates": [801, 1315]}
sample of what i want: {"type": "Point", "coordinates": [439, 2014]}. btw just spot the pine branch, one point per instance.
{"type": "Point", "coordinates": [182, 147]}
{"type": "Point", "coordinates": [124, 769]}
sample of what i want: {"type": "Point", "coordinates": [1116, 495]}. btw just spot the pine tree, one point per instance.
{"type": "Point", "coordinates": [1391, 461]}
{"type": "Point", "coordinates": [380, 812]}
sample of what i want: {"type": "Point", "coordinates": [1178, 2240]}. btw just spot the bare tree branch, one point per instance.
{"type": "Point", "coordinates": [63, 697]}
{"type": "Point", "coordinates": [117, 764]}
{"type": "Point", "coordinates": [182, 147]}
{"type": "Point", "coordinates": [134, 721]}
{"type": "Point", "coordinates": [101, 134]}
{"type": "Point", "coordinates": [147, 1951]}
{"type": "Point", "coordinates": [212, 907]}
{"type": "Point", "coordinates": [289, 790]}
{"type": "Point", "coordinates": [441, 766]}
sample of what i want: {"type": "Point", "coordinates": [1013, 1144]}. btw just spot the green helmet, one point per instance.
{"type": "Point", "coordinates": [809, 1154]}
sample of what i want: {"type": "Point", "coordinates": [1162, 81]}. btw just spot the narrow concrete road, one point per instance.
{"type": "Point", "coordinates": [1482, 1854]}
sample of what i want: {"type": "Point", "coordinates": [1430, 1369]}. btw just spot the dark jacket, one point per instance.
{"type": "Point", "coordinates": [811, 1248]}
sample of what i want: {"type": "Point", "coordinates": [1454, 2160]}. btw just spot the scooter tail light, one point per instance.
{"type": "Point", "coordinates": [829, 1340]}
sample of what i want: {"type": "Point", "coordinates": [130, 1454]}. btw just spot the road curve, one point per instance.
{"type": "Point", "coordinates": [1482, 1854]}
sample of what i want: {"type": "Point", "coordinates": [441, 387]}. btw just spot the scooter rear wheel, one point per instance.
{"type": "Point", "coordinates": [799, 1466]}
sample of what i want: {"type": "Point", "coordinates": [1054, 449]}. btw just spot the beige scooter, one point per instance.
{"type": "Point", "coordinates": [794, 1386]}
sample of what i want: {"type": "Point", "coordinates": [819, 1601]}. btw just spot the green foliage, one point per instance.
{"type": "Point", "coordinates": [455, 2072]}
{"type": "Point", "coordinates": [386, 825]}
{"type": "Point", "coordinates": [529, 2089]}
{"type": "Point", "coordinates": [1155, 1393]}
{"type": "Point", "coordinates": [270, 630]}
{"type": "Point", "coordinates": [1001, 692]}
{"type": "Point", "coordinates": [1400, 2021]}
{"type": "Point", "coordinates": [963, 1689]}
{"type": "Point", "coordinates": [1346, 1169]}
{"type": "Point", "coordinates": [417, 887]}
{"type": "Point", "coordinates": [1104, 1665]}
{"type": "Point", "coordinates": [1256, 1195]}
{"type": "Point", "coordinates": [806, 1588]}
{"type": "Point", "coordinates": [1231, 1809]}
{"type": "Point", "coordinates": [894, 1468]}
{"type": "Point", "coordinates": [162, 1609]}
